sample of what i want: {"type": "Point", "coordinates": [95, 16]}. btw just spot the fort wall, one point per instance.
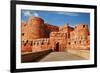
{"type": "Point", "coordinates": [38, 36]}
{"type": "Point", "coordinates": [79, 37]}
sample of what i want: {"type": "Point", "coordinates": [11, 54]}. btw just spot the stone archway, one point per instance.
{"type": "Point", "coordinates": [57, 47]}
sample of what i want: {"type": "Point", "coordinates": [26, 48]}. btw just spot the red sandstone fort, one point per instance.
{"type": "Point", "coordinates": [36, 35]}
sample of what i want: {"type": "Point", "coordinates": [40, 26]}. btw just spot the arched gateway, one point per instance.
{"type": "Point", "coordinates": [57, 47]}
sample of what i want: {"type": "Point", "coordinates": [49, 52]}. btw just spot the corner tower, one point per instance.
{"type": "Point", "coordinates": [35, 28]}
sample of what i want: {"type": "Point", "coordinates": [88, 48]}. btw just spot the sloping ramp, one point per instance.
{"type": "Point", "coordinates": [61, 56]}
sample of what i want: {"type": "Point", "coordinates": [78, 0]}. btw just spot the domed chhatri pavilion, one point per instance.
{"type": "Point", "coordinates": [36, 35]}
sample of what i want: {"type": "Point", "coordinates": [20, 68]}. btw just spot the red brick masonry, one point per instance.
{"type": "Point", "coordinates": [36, 35]}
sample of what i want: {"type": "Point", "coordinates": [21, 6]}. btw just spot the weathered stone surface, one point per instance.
{"type": "Point", "coordinates": [40, 36]}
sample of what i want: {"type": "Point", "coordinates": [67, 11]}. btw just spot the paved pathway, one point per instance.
{"type": "Point", "coordinates": [61, 56]}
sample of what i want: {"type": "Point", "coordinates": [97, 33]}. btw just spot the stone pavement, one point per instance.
{"type": "Point", "coordinates": [61, 56]}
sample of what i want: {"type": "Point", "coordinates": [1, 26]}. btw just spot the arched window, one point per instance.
{"type": "Point", "coordinates": [80, 42]}
{"type": "Point", "coordinates": [83, 26]}
{"type": "Point", "coordinates": [24, 44]}
{"type": "Point", "coordinates": [31, 43]}
{"type": "Point", "coordinates": [87, 42]}
{"type": "Point", "coordinates": [42, 43]}
{"type": "Point", "coordinates": [47, 43]}
{"type": "Point", "coordinates": [69, 43]}
{"type": "Point", "coordinates": [27, 41]}
{"type": "Point", "coordinates": [23, 34]}
{"type": "Point", "coordinates": [34, 43]}
{"type": "Point", "coordinates": [75, 42]}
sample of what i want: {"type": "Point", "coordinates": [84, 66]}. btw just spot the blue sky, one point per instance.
{"type": "Point", "coordinates": [57, 18]}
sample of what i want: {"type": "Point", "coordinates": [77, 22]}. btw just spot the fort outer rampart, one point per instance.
{"type": "Point", "coordinates": [38, 36]}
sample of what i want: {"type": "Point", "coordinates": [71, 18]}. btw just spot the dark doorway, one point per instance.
{"type": "Point", "coordinates": [57, 47]}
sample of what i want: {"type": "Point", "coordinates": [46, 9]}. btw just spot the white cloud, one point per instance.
{"type": "Point", "coordinates": [35, 14]}
{"type": "Point", "coordinates": [29, 13]}
{"type": "Point", "coordinates": [68, 13]}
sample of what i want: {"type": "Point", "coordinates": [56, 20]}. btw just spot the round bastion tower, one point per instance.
{"type": "Point", "coordinates": [35, 28]}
